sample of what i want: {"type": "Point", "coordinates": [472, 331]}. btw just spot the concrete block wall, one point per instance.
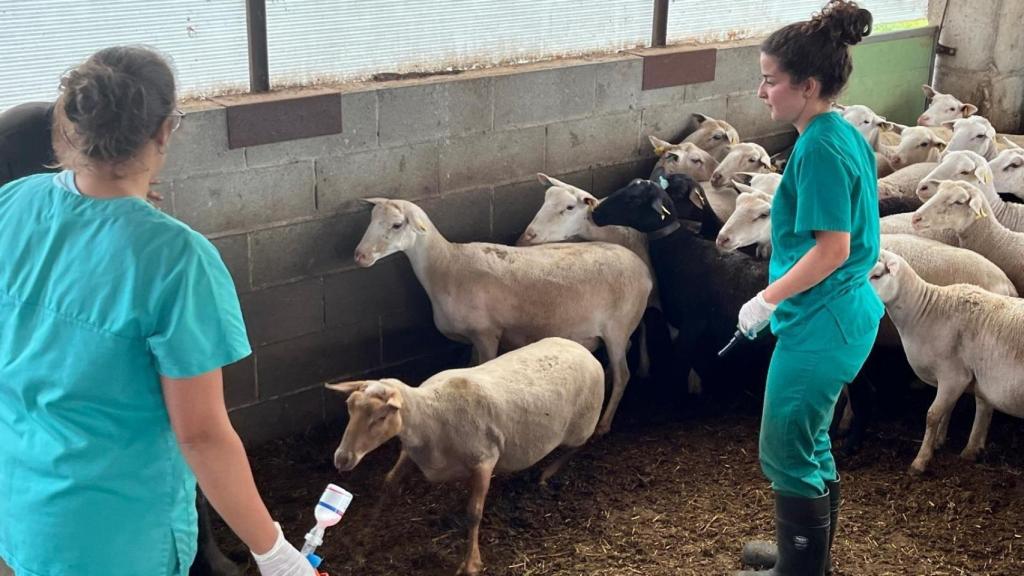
{"type": "Point", "coordinates": [286, 216]}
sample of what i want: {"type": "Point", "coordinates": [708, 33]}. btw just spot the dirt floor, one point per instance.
{"type": "Point", "coordinates": [669, 492]}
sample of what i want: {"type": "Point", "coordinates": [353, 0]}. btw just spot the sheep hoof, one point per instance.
{"type": "Point", "coordinates": [470, 568]}
{"type": "Point", "coordinates": [970, 455]}
{"type": "Point", "coordinates": [917, 468]}
{"type": "Point", "coordinates": [602, 429]}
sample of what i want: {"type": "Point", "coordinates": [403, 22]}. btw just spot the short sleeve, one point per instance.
{"type": "Point", "coordinates": [198, 323]}
{"type": "Point", "coordinates": [824, 193]}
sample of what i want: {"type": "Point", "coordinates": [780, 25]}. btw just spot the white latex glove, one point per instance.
{"type": "Point", "coordinates": [283, 559]}
{"type": "Point", "coordinates": [754, 315]}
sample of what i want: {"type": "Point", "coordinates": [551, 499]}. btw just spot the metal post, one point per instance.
{"type": "Point", "coordinates": [658, 34]}
{"type": "Point", "coordinates": [256, 28]}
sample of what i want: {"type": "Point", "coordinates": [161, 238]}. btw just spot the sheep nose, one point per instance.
{"type": "Point", "coordinates": [362, 258]}
{"type": "Point", "coordinates": [343, 460]}
{"type": "Point", "coordinates": [716, 179]}
{"type": "Point", "coordinates": [526, 238]}
{"type": "Point", "coordinates": [895, 159]}
{"type": "Point", "coordinates": [915, 219]}
{"type": "Point", "coordinates": [722, 241]}
{"type": "Point", "coordinates": [922, 120]}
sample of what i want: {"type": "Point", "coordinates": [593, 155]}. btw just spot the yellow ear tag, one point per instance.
{"type": "Point", "coordinates": [659, 150]}
{"type": "Point", "coordinates": [986, 178]}
{"type": "Point", "coordinates": [419, 224]}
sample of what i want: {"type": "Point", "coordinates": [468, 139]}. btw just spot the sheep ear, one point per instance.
{"type": "Point", "coordinates": [977, 204]}
{"type": "Point", "coordinates": [375, 201]}
{"type": "Point", "coordinates": [1011, 144]}
{"type": "Point", "coordinates": [940, 145]}
{"type": "Point", "coordinates": [545, 179]}
{"type": "Point", "coordinates": [421, 227]}
{"type": "Point", "coordinates": [838, 106]}
{"type": "Point", "coordinates": [969, 110]}
{"type": "Point", "coordinates": [983, 173]}
{"type": "Point", "coordinates": [949, 124]}
{"type": "Point", "coordinates": [929, 92]}
{"type": "Point", "coordinates": [700, 118]}
{"type": "Point", "coordinates": [925, 196]}
{"type": "Point", "coordinates": [734, 137]}
{"type": "Point", "coordinates": [743, 188]}
{"type": "Point", "coordinates": [743, 177]}
{"type": "Point", "coordinates": [658, 206]}
{"type": "Point", "coordinates": [660, 146]}
{"type": "Point", "coordinates": [766, 162]}
{"type": "Point", "coordinates": [348, 387]}
{"type": "Point", "coordinates": [590, 201]}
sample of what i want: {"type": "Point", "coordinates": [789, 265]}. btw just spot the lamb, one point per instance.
{"type": "Point", "coordinates": [711, 135]}
{"type": "Point", "coordinates": [1007, 173]}
{"type": "Point", "coordinates": [685, 158]}
{"type": "Point", "coordinates": [962, 208]}
{"type": "Point", "coordinates": [969, 167]}
{"type": "Point", "coordinates": [502, 296]}
{"type": "Point", "coordinates": [766, 182]}
{"type": "Point", "coordinates": [957, 338]}
{"type": "Point", "coordinates": [943, 108]}
{"type": "Point", "coordinates": [750, 223]}
{"type": "Point", "coordinates": [917, 144]}
{"type": "Point", "coordinates": [975, 134]}
{"type": "Point", "coordinates": [464, 425]}
{"type": "Point", "coordinates": [743, 157]}
{"type": "Point", "coordinates": [904, 181]}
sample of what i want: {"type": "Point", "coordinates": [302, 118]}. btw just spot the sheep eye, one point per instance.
{"type": "Point", "coordinates": [718, 136]}
{"type": "Point", "coordinates": [569, 207]}
{"type": "Point", "coordinates": [980, 136]}
{"type": "Point", "coordinates": [697, 161]}
{"type": "Point", "coordinates": [952, 109]}
{"type": "Point", "coordinates": [397, 225]}
{"type": "Point", "coordinates": [965, 173]}
{"type": "Point", "coordinates": [924, 144]}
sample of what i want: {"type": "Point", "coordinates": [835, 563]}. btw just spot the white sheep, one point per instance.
{"type": "Point", "coordinates": [465, 425]}
{"type": "Point", "coordinates": [975, 134]}
{"type": "Point", "coordinates": [943, 108]}
{"type": "Point", "coordinates": [495, 296]}
{"type": "Point", "coordinates": [969, 167]}
{"type": "Point", "coordinates": [917, 144]}
{"type": "Point", "coordinates": [957, 338]}
{"type": "Point", "coordinates": [713, 136]}
{"type": "Point", "coordinates": [684, 158]}
{"type": "Point", "coordinates": [962, 208]}
{"type": "Point", "coordinates": [742, 157]}
{"type": "Point", "coordinates": [1008, 171]}
{"type": "Point", "coordinates": [766, 182]}
{"type": "Point", "coordinates": [903, 182]}
{"type": "Point", "coordinates": [749, 224]}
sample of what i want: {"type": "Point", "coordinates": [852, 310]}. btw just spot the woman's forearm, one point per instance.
{"type": "Point", "coordinates": [816, 265]}
{"type": "Point", "coordinates": [222, 470]}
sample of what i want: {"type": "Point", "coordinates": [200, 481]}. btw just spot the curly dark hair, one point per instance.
{"type": "Point", "coordinates": [111, 105]}
{"type": "Point", "coordinates": [818, 48]}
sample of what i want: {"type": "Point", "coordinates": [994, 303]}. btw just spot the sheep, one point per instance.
{"type": "Point", "coordinates": [957, 338]}
{"type": "Point", "coordinates": [942, 108]}
{"type": "Point", "coordinates": [685, 158]}
{"type": "Point", "coordinates": [962, 208]}
{"type": "Point", "coordinates": [969, 167]}
{"type": "Point", "coordinates": [750, 223]}
{"type": "Point", "coordinates": [502, 296]}
{"type": "Point", "coordinates": [463, 425]}
{"type": "Point", "coordinates": [917, 144]}
{"type": "Point", "coordinates": [975, 134]}
{"type": "Point", "coordinates": [879, 133]}
{"type": "Point", "coordinates": [766, 182]}
{"type": "Point", "coordinates": [904, 181]}
{"type": "Point", "coordinates": [743, 157]}
{"type": "Point", "coordinates": [713, 136]}
{"type": "Point", "coordinates": [1007, 172]}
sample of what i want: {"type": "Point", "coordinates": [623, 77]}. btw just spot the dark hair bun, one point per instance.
{"type": "Point", "coordinates": [845, 22]}
{"type": "Point", "coordinates": [115, 102]}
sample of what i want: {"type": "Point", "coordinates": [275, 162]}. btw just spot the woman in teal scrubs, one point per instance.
{"type": "Point", "coordinates": [115, 321]}
{"type": "Point", "coordinates": [825, 239]}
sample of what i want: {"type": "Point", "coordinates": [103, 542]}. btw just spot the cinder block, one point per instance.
{"type": "Point", "coordinates": [359, 132]}
{"type": "Point", "coordinates": [280, 417]}
{"type": "Point", "coordinates": [283, 312]}
{"type": "Point", "coordinates": [409, 334]}
{"type": "Point", "coordinates": [306, 249]}
{"type": "Point", "coordinates": [364, 294]}
{"type": "Point", "coordinates": [515, 205]}
{"type": "Point", "coordinates": [608, 179]}
{"type": "Point", "coordinates": [315, 358]}
{"type": "Point", "coordinates": [1008, 103]}
{"type": "Point", "coordinates": [750, 116]}
{"type": "Point", "coordinates": [463, 216]}
{"type": "Point", "coordinates": [201, 145]}
{"type": "Point", "coordinates": [491, 158]}
{"type": "Point", "coordinates": [240, 382]}
{"type": "Point", "coordinates": [240, 200]}
{"type": "Point", "coordinates": [404, 172]}
{"type": "Point", "coordinates": [539, 97]}
{"type": "Point", "coordinates": [777, 142]}
{"type": "Point", "coordinates": [594, 141]}
{"type": "Point", "coordinates": [1009, 42]}
{"type": "Point", "coordinates": [674, 122]}
{"type": "Point", "coordinates": [234, 251]}
{"type": "Point", "coordinates": [618, 85]}
{"type": "Point", "coordinates": [738, 70]}
{"type": "Point", "coordinates": [423, 112]}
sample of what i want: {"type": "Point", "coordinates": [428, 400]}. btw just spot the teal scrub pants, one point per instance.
{"type": "Point", "coordinates": [804, 383]}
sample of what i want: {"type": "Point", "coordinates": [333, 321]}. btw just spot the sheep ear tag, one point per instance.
{"type": "Point", "coordinates": [663, 182]}
{"type": "Point", "coordinates": [420, 225]}
{"type": "Point", "coordinates": [659, 150]}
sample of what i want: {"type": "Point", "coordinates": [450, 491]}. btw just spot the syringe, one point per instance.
{"type": "Point", "coordinates": [328, 512]}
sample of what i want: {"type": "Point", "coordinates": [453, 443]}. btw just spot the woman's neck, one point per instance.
{"type": "Point", "coordinates": [105, 183]}
{"type": "Point", "coordinates": [812, 110]}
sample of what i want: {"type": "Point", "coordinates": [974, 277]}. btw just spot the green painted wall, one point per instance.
{"type": "Point", "coordinates": [887, 76]}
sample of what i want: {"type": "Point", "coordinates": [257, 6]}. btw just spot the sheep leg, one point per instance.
{"type": "Point", "coordinates": [479, 483]}
{"type": "Point", "coordinates": [616, 347]}
{"type": "Point", "coordinates": [943, 431]}
{"type": "Point", "coordinates": [556, 464]}
{"type": "Point", "coordinates": [643, 368]}
{"type": "Point", "coordinates": [979, 431]}
{"type": "Point", "coordinates": [945, 399]}
{"type": "Point", "coordinates": [392, 481]}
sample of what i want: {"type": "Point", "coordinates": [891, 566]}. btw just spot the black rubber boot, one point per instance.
{"type": "Point", "coordinates": [761, 554]}
{"type": "Point", "coordinates": [802, 534]}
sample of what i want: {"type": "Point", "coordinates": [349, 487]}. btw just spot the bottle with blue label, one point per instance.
{"type": "Point", "coordinates": [328, 512]}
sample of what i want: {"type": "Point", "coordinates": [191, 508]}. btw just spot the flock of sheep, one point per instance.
{"type": "Point", "coordinates": [672, 258]}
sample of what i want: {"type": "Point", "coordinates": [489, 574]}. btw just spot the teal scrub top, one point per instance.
{"type": "Point", "coordinates": [98, 298]}
{"type": "Point", "coordinates": [829, 184]}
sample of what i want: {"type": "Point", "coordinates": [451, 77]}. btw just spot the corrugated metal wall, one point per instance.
{"type": "Point", "coordinates": [314, 39]}
{"type": "Point", "coordinates": [711, 20]}
{"type": "Point", "coordinates": [311, 40]}
{"type": "Point", "coordinates": [40, 39]}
